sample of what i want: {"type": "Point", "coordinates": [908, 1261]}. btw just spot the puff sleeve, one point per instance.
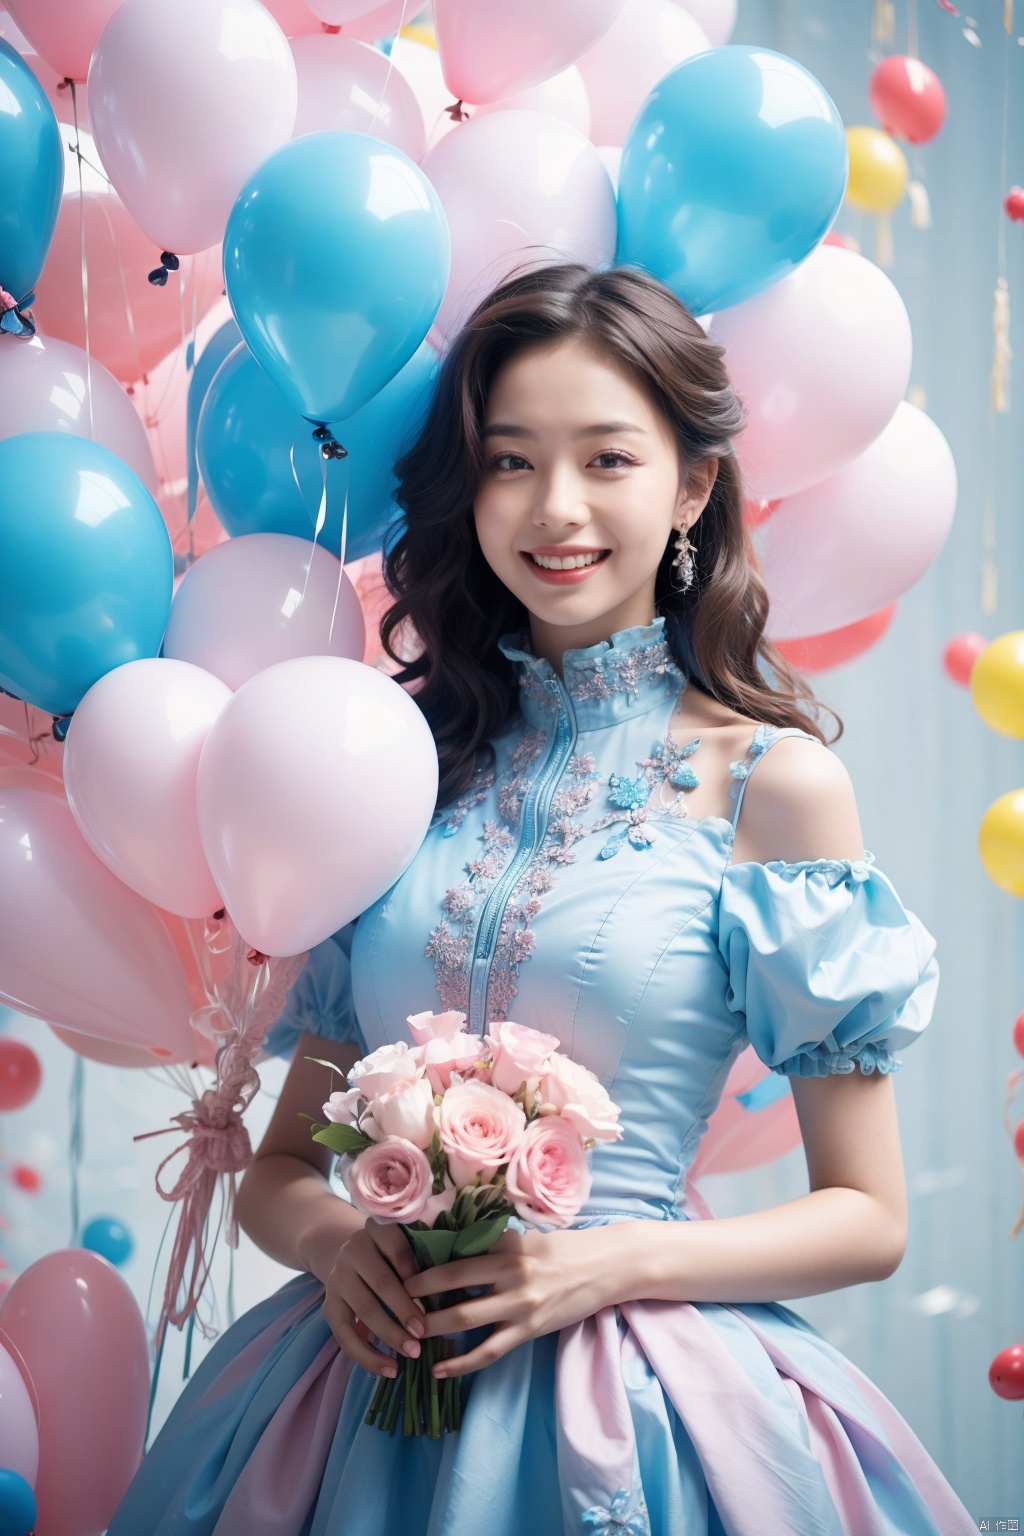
{"type": "Point", "coordinates": [828, 967]}
{"type": "Point", "coordinates": [320, 998]}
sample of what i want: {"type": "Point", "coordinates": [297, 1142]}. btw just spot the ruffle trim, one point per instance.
{"type": "Point", "coordinates": [825, 1060]}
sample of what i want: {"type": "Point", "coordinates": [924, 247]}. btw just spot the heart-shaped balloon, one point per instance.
{"type": "Point", "coordinates": [316, 787]}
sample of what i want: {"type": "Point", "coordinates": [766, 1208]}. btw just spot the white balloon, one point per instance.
{"type": "Point", "coordinates": [839, 551]}
{"type": "Point", "coordinates": [44, 387]}
{"type": "Point", "coordinates": [240, 607]}
{"type": "Point", "coordinates": [821, 360]}
{"type": "Point", "coordinates": [645, 41]}
{"type": "Point", "coordinates": [345, 84]}
{"type": "Point", "coordinates": [563, 96]}
{"type": "Point", "coordinates": [519, 189]}
{"type": "Point", "coordinates": [717, 17]}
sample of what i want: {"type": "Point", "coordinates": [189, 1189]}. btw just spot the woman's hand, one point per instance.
{"type": "Point", "coordinates": [542, 1281]}
{"type": "Point", "coordinates": [366, 1279]}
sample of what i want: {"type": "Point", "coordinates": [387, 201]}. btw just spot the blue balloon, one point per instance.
{"type": "Point", "coordinates": [247, 430]}
{"type": "Point", "coordinates": [109, 1238]}
{"type": "Point", "coordinates": [18, 1512]}
{"type": "Point", "coordinates": [732, 173]}
{"type": "Point", "coordinates": [86, 570]}
{"type": "Point", "coordinates": [223, 341]}
{"type": "Point", "coordinates": [31, 175]}
{"type": "Point", "coordinates": [336, 259]}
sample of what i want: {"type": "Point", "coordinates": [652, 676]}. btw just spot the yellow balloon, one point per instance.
{"type": "Point", "coordinates": [1001, 842]}
{"type": "Point", "coordinates": [997, 684]}
{"type": "Point", "coordinates": [878, 170]}
{"type": "Point", "coordinates": [420, 32]}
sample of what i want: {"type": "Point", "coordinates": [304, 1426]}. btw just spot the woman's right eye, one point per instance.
{"type": "Point", "coordinates": [497, 464]}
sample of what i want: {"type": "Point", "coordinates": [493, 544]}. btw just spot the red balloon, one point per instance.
{"type": "Point", "coordinates": [845, 242]}
{"type": "Point", "coordinates": [815, 653]}
{"type": "Point", "coordinates": [756, 511]}
{"type": "Point", "coordinates": [1018, 1034]}
{"type": "Point", "coordinates": [1006, 1373]}
{"type": "Point", "coordinates": [1018, 1140]}
{"type": "Point", "coordinates": [26, 1178]}
{"type": "Point", "coordinates": [961, 653]}
{"type": "Point", "coordinates": [1013, 202]}
{"type": "Point", "coordinates": [20, 1074]}
{"type": "Point", "coordinates": [907, 98]}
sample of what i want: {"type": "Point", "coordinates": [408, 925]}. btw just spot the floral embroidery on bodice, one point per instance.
{"type": "Point", "coordinates": [604, 683]}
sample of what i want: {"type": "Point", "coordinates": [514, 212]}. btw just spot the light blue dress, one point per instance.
{"type": "Point", "coordinates": [568, 889]}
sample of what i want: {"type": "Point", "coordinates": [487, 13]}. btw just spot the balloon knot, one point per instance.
{"type": "Point", "coordinates": [14, 316]}
{"type": "Point", "coordinates": [326, 26]}
{"type": "Point", "coordinates": [457, 111]}
{"type": "Point", "coordinates": [330, 448]}
{"type": "Point", "coordinates": [168, 263]}
{"type": "Point", "coordinates": [60, 726]}
{"type": "Point", "coordinates": [256, 957]}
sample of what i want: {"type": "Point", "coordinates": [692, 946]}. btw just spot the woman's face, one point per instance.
{"type": "Point", "coordinates": [577, 459]}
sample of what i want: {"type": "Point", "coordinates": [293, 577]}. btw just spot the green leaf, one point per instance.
{"type": "Point", "coordinates": [343, 1138]}
{"type": "Point", "coordinates": [480, 1237]}
{"type": "Point", "coordinates": [432, 1247]}
{"type": "Point", "coordinates": [322, 1063]}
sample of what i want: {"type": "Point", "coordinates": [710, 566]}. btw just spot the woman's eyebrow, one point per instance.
{"type": "Point", "coordinates": [509, 429]}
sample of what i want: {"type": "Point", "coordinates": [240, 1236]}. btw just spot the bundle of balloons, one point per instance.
{"type": "Point", "coordinates": [183, 476]}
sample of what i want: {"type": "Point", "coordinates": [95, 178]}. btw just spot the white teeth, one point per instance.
{"type": "Point", "coordinates": [554, 563]}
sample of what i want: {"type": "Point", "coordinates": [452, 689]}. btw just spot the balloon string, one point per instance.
{"type": "Point", "coordinates": [85, 264]}
{"type": "Point", "coordinates": [128, 312]}
{"type": "Point", "coordinates": [341, 558]}
{"type": "Point", "coordinates": [391, 65]}
{"type": "Point", "coordinates": [76, 1144]}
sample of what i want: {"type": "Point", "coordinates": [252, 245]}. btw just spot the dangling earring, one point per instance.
{"type": "Point", "coordinates": [685, 552]}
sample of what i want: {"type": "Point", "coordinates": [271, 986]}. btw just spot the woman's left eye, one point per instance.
{"type": "Point", "coordinates": [613, 453]}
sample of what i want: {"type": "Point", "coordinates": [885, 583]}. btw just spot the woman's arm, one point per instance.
{"type": "Point", "coordinates": [852, 1226]}
{"type": "Point", "coordinates": [285, 1202]}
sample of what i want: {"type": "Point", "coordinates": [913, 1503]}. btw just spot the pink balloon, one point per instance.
{"type": "Point", "coordinates": [563, 96]}
{"type": "Point", "coordinates": [645, 41]}
{"type": "Point", "coordinates": [19, 1431]}
{"type": "Point", "coordinates": [345, 84]}
{"type": "Point", "coordinates": [343, 13]}
{"type": "Point", "coordinates": [821, 360]}
{"type": "Point", "coordinates": [113, 1054]}
{"type": "Point", "coordinates": [517, 188]}
{"type": "Point", "coordinates": [843, 549]}
{"type": "Point", "coordinates": [160, 399]}
{"type": "Point", "coordinates": [382, 21]}
{"type": "Point", "coordinates": [716, 17]}
{"type": "Point", "coordinates": [185, 101]}
{"type": "Point", "coordinates": [130, 761]}
{"type": "Point", "coordinates": [240, 608]}
{"type": "Point", "coordinates": [44, 387]}
{"type": "Point", "coordinates": [133, 324]}
{"type": "Point", "coordinates": [489, 48]}
{"type": "Point", "coordinates": [77, 947]}
{"type": "Point", "coordinates": [63, 35]}
{"type": "Point", "coordinates": [316, 787]}
{"type": "Point", "coordinates": [819, 653]}
{"type": "Point", "coordinates": [294, 17]}
{"type": "Point", "coordinates": [82, 1336]}
{"type": "Point", "coordinates": [58, 93]}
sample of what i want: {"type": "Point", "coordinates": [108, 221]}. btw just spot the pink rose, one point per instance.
{"type": "Point", "coordinates": [520, 1055]}
{"type": "Point", "coordinates": [341, 1107]}
{"type": "Point", "coordinates": [549, 1177]}
{"type": "Point", "coordinates": [391, 1180]}
{"type": "Point", "coordinates": [406, 1109]}
{"type": "Point", "coordinates": [480, 1130]}
{"type": "Point", "coordinates": [581, 1097]}
{"type": "Point", "coordinates": [438, 1203]}
{"type": "Point", "coordinates": [384, 1067]}
{"type": "Point", "coordinates": [443, 1055]}
{"type": "Point", "coordinates": [435, 1026]}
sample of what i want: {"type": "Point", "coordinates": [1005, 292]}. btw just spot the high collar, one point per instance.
{"type": "Point", "coordinates": [605, 683]}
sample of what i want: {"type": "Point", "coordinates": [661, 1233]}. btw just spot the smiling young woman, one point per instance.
{"type": "Point", "coordinates": [600, 723]}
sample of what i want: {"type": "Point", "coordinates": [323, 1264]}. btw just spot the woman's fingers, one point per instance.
{"type": "Point", "coordinates": [394, 1244]}
{"type": "Point", "coordinates": [341, 1321]}
{"type": "Point", "coordinates": [373, 1265]}
{"type": "Point", "coordinates": [365, 1303]}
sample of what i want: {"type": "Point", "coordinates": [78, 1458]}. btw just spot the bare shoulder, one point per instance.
{"type": "Point", "coordinates": [799, 804]}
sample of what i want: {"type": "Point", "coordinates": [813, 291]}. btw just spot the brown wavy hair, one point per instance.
{"type": "Point", "coordinates": [458, 607]}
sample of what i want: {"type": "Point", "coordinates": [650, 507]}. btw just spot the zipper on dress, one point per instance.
{"type": "Point", "coordinates": [536, 804]}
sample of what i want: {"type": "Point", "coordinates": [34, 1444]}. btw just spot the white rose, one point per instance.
{"type": "Point", "coordinates": [406, 1110]}
{"type": "Point", "coordinates": [580, 1096]}
{"type": "Point", "coordinates": [384, 1067]}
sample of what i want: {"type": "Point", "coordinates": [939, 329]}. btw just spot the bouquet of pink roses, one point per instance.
{"type": "Point", "coordinates": [450, 1137]}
